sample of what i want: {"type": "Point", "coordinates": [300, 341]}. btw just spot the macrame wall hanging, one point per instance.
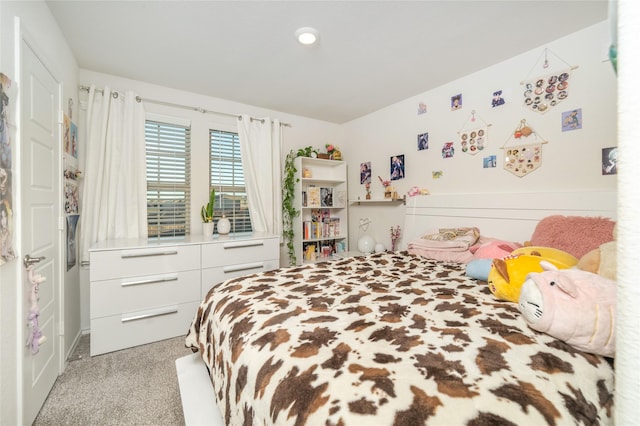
{"type": "Point", "coordinates": [548, 88]}
{"type": "Point", "coordinates": [473, 135]}
{"type": "Point", "coordinates": [523, 159]}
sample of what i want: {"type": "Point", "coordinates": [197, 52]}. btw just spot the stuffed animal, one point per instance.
{"type": "Point", "coordinates": [572, 305]}
{"type": "Point", "coordinates": [484, 253]}
{"type": "Point", "coordinates": [507, 275]}
{"type": "Point", "coordinates": [494, 249]}
{"type": "Point", "coordinates": [602, 260]}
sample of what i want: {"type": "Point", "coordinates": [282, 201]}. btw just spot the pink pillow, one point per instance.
{"type": "Point", "coordinates": [577, 235]}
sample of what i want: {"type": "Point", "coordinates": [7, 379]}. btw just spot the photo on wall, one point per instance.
{"type": "Point", "coordinates": [365, 172]}
{"type": "Point", "coordinates": [489, 162]}
{"type": "Point", "coordinates": [572, 120]}
{"type": "Point", "coordinates": [456, 102]}
{"type": "Point", "coordinates": [397, 167]}
{"type": "Point", "coordinates": [497, 99]}
{"type": "Point", "coordinates": [72, 223]}
{"type": "Point", "coordinates": [610, 161]}
{"type": "Point", "coordinates": [423, 141]}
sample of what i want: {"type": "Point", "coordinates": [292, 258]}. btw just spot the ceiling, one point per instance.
{"type": "Point", "coordinates": [371, 54]}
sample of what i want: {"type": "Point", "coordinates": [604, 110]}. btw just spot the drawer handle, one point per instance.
{"type": "Point", "coordinates": [160, 253]}
{"type": "Point", "coordinates": [244, 267]}
{"type": "Point", "coordinates": [241, 244]}
{"type": "Point", "coordinates": [150, 281]}
{"type": "Point", "coordinates": [158, 313]}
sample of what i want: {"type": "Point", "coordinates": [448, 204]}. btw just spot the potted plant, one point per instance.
{"type": "Point", "coordinates": [289, 210]}
{"type": "Point", "coordinates": [206, 213]}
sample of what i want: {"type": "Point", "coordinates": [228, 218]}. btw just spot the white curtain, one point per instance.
{"type": "Point", "coordinates": [114, 201]}
{"type": "Point", "coordinates": [261, 149]}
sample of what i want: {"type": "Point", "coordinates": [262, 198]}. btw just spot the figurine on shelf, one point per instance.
{"type": "Point", "coordinates": [388, 189]}
{"type": "Point", "coordinates": [395, 236]}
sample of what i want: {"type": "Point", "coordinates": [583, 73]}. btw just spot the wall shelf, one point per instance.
{"type": "Point", "coordinates": [402, 200]}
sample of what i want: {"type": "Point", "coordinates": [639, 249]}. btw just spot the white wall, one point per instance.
{"type": "Point", "coordinates": [304, 132]}
{"type": "Point", "coordinates": [37, 21]}
{"type": "Point", "coordinates": [570, 160]}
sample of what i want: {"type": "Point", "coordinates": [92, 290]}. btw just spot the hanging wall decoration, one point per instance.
{"type": "Point", "coordinates": [548, 88]}
{"type": "Point", "coordinates": [523, 159]}
{"type": "Point", "coordinates": [473, 135]}
{"type": "Point", "coordinates": [7, 132]}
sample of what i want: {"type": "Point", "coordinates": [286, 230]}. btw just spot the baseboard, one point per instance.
{"type": "Point", "coordinates": [196, 392]}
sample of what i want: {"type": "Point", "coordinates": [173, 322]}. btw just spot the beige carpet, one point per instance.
{"type": "Point", "coordinates": [136, 386]}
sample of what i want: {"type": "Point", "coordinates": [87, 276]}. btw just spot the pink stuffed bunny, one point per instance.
{"type": "Point", "coordinates": [575, 306]}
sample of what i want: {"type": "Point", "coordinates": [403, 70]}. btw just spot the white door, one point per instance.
{"type": "Point", "coordinates": [39, 177]}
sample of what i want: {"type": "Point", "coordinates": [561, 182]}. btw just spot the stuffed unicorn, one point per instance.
{"type": "Point", "coordinates": [575, 306]}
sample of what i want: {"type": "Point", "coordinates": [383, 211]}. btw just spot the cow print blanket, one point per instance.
{"type": "Point", "coordinates": [388, 339]}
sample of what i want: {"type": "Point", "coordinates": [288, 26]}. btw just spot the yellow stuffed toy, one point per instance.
{"type": "Point", "coordinates": [507, 275]}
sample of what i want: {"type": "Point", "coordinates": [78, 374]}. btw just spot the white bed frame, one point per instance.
{"type": "Point", "coordinates": [508, 216]}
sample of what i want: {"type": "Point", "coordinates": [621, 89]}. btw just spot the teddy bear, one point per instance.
{"type": "Point", "coordinates": [507, 275]}
{"type": "Point", "coordinates": [575, 306]}
{"type": "Point", "coordinates": [602, 260]}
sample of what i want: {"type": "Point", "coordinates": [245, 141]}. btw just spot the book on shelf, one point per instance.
{"type": "Point", "coordinates": [321, 227]}
{"type": "Point", "coordinates": [326, 197]}
{"type": "Point", "coordinates": [313, 196]}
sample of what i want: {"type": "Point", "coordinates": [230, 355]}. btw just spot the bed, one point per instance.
{"type": "Point", "coordinates": [395, 338]}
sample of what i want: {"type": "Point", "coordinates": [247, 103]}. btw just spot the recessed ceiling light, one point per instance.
{"type": "Point", "coordinates": [307, 35]}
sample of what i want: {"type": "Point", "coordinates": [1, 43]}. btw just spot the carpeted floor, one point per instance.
{"type": "Point", "coordinates": [136, 386]}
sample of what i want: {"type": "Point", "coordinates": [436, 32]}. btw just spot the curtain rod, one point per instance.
{"type": "Point", "coordinates": [198, 109]}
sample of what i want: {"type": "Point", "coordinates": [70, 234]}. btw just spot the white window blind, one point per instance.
{"type": "Point", "coordinates": [227, 178]}
{"type": "Point", "coordinates": [168, 178]}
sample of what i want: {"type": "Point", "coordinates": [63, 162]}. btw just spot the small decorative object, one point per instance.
{"type": "Point", "coordinates": [306, 173]}
{"type": "Point", "coordinates": [367, 187]}
{"type": "Point", "coordinates": [395, 236]}
{"type": "Point", "coordinates": [379, 248]}
{"type": "Point", "coordinates": [333, 151]}
{"type": "Point", "coordinates": [388, 189]}
{"type": "Point", "coordinates": [35, 337]}
{"type": "Point", "coordinates": [366, 244]}
{"type": "Point", "coordinates": [224, 225]}
{"type": "Point", "coordinates": [414, 190]}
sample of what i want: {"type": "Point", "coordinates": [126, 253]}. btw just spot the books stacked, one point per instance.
{"type": "Point", "coordinates": [328, 227]}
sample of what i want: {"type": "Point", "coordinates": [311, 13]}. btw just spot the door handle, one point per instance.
{"type": "Point", "coordinates": [28, 260]}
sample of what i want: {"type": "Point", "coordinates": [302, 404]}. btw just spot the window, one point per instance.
{"type": "Point", "coordinates": [227, 178]}
{"type": "Point", "coordinates": [168, 178]}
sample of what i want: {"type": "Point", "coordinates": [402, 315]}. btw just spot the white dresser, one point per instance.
{"type": "Point", "coordinates": [145, 291]}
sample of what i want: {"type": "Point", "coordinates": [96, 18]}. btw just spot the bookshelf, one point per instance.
{"type": "Point", "coordinates": [321, 229]}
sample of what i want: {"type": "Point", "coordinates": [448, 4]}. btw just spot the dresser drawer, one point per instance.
{"type": "Point", "coordinates": [137, 328]}
{"type": "Point", "coordinates": [108, 264]}
{"type": "Point", "coordinates": [214, 276]}
{"type": "Point", "coordinates": [110, 297]}
{"type": "Point", "coordinates": [234, 252]}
